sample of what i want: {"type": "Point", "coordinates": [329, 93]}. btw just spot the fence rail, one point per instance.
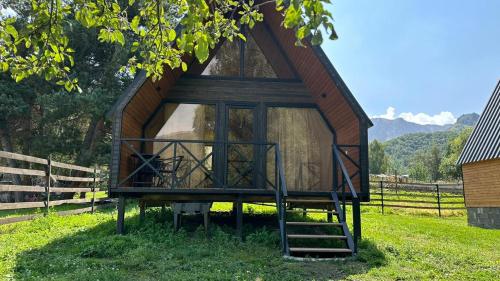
{"type": "Point", "coordinates": [437, 197]}
{"type": "Point", "coordinates": [86, 178]}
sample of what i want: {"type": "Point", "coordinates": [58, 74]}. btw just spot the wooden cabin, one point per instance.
{"type": "Point", "coordinates": [480, 160]}
{"type": "Point", "coordinates": [260, 121]}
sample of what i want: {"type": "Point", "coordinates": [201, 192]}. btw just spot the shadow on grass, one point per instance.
{"type": "Point", "coordinates": [153, 251]}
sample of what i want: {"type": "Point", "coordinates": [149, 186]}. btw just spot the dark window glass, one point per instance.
{"type": "Point", "coordinates": [256, 64]}
{"type": "Point", "coordinates": [226, 61]}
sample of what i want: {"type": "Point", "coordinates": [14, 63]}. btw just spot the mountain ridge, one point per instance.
{"type": "Point", "coordinates": [387, 129]}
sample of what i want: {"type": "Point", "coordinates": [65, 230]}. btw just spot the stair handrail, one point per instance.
{"type": "Point", "coordinates": [356, 212]}
{"type": "Point", "coordinates": [281, 195]}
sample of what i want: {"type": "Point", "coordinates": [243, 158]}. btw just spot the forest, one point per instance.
{"type": "Point", "coordinates": [40, 118]}
{"type": "Point", "coordinates": [421, 156]}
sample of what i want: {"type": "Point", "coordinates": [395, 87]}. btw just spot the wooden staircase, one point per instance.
{"type": "Point", "coordinates": [302, 237]}
{"type": "Point", "coordinates": [316, 239]}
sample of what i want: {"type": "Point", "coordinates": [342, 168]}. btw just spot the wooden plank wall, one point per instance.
{"type": "Point", "coordinates": [482, 183]}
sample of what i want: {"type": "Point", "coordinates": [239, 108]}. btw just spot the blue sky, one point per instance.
{"type": "Point", "coordinates": [438, 58]}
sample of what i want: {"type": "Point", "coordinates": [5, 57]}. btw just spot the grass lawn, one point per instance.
{"type": "Point", "coordinates": [394, 247]}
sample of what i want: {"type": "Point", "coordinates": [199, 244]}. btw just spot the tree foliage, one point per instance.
{"type": "Point", "coordinates": [158, 33]}
{"type": "Point", "coordinates": [449, 168]}
{"type": "Point", "coordinates": [378, 160]}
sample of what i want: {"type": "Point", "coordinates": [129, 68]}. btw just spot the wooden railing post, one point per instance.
{"type": "Point", "coordinates": [382, 195]}
{"type": "Point", "coordinates": [47, 185]}
{"type": "Point", "coordinates": [93, 189]}
{"type": "Point", "coordinates": [438, 199]}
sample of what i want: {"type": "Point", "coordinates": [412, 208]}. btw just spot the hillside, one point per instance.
{"type": "Point", "coordinates": [387, 129]}
{"type": "Point", "coordinates": [402, 149]}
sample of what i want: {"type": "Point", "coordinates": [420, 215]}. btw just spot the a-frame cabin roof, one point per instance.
{"type": "Point", "coordinates": [310, 64]}
{"type": "Point", "coordinates": [484, 142]}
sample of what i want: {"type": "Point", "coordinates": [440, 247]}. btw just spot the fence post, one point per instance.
{"type": "Point", "coordinates": [47, 185]}
{"type": "Point", "coordinates": [438, 199]}
{"type": "Point", "coordinates": [93, 189]}
{"type": "Point", "coordinates": [382, 195]}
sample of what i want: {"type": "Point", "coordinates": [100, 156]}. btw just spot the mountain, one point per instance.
{"type": "Point", "coordinates": [387, 129]}
{"type": "Point", "coordinates": [401, 150]}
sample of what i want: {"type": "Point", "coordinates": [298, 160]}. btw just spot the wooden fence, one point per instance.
{"type": "Point", "coordinates": [437, 197]}
{"type": "Point", "coordinates": [52, 176]}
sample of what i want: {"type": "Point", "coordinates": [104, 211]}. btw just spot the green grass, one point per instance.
{"type": "Point", "coordinates": [394, 247]}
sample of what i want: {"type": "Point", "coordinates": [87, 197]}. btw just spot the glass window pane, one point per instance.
{"type": "Point", "coordinates": [240, 126]}
{"type": "Point", "coordinates": [188, 122]}
{"type": "Point", "coordinates": [256, 64]}
{"type": "Point", "coordinates": [240, 157]}
{"type": "Point", "coordinates": [226, 61]}
{"type": "Point", "coordinates": [305, 142]}
{"type": "Point", "coordinates": [189, 165]}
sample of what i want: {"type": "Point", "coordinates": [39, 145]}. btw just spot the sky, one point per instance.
{"type": "Point", "coordinates": [426, 61]}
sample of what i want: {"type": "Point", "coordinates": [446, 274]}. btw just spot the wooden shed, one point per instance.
{"type": "Point", "coordinates": [260, 121]}
{"type": "Point", "coordinates": [480, 160]}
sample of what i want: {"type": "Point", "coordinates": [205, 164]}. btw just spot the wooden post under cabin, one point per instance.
{"type": "Point", "coordinates": [239, 218]}
{"type": "Point", "coordinates": [120, 223]}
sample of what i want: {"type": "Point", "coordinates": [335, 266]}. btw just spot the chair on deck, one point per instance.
{"type": "Point", "coordinates": [160, 173]}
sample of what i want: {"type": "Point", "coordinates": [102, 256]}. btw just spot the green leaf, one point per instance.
{"type": "Point", "coordinates": [5, 66]}
{"type": "Point", "coordinates": [119, 37]}
{"type": "Point", "coordinates": [317, 38]}
{"type": "Point", "coordinates": [131, 2]}
{"type": "Point", "coordinates": [184, 66]}
{"type": "Point", "coordinates": [171, 35]}
{"type": "Point", "coordinates": [135, 23]}
{"type": "Point", "coordinates": [201, 49]}
{"type": "Point", "coordinates": [11, 31]}
{"type": "Point", "coordinates": [242, 37]}
{"type": "Point", "coordinates": [134, 46]}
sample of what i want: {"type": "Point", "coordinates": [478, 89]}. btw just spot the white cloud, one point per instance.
{"type": "Point", "coordinates": [390, 113]}
{"type": "Point", "coordinates": [443, 118]}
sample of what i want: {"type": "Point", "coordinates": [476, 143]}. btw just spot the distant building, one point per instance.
{"type": "Point", "coordinates": [480, 160]}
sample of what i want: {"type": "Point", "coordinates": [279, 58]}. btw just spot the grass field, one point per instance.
{"type": "Point", "coordinates": [394, 247]}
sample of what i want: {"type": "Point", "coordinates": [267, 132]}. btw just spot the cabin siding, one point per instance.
{"type": "Point", "coordinates": [482, 183]}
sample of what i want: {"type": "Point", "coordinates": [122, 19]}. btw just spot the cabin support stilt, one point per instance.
{"type": "Point", "coordinates": [239, 218]}
{"type": "Point", "coordinates": [142, 211]}
{"type": "Point", "coordinates": [120, 222]}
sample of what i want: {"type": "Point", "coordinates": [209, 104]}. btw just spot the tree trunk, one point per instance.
{"type": "Point", "coordinates": [5, 141]}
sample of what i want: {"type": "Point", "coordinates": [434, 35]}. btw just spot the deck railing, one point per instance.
{"type": "Point", "coordinates": [281, 196]}
{"type": "Point", "coordinates": [191, 164]}
{"type": "Point", "coordinates": [356, 210]}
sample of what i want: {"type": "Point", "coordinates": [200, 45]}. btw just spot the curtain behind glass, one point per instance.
{"type": "Point", "coordinates": [305, 142]}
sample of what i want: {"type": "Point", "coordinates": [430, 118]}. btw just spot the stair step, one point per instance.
{"type": "Point", "coordinates": [313, 211]}
{"type": "Point", "coordinates": [309, 201]}
{"type": "Point", "coordinates": [313, 223]}
{"type": "Point", "coordinates": [321, 250]}
{"type": "Point", "coordinates": [316, 236]}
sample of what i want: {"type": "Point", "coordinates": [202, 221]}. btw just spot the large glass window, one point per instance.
{"type": "Point", "coordinates": [185, 164]}
{"type": "Point", "coordinates": [306, 147]}
{"type": "Point", "coordinates": [240, 156]}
